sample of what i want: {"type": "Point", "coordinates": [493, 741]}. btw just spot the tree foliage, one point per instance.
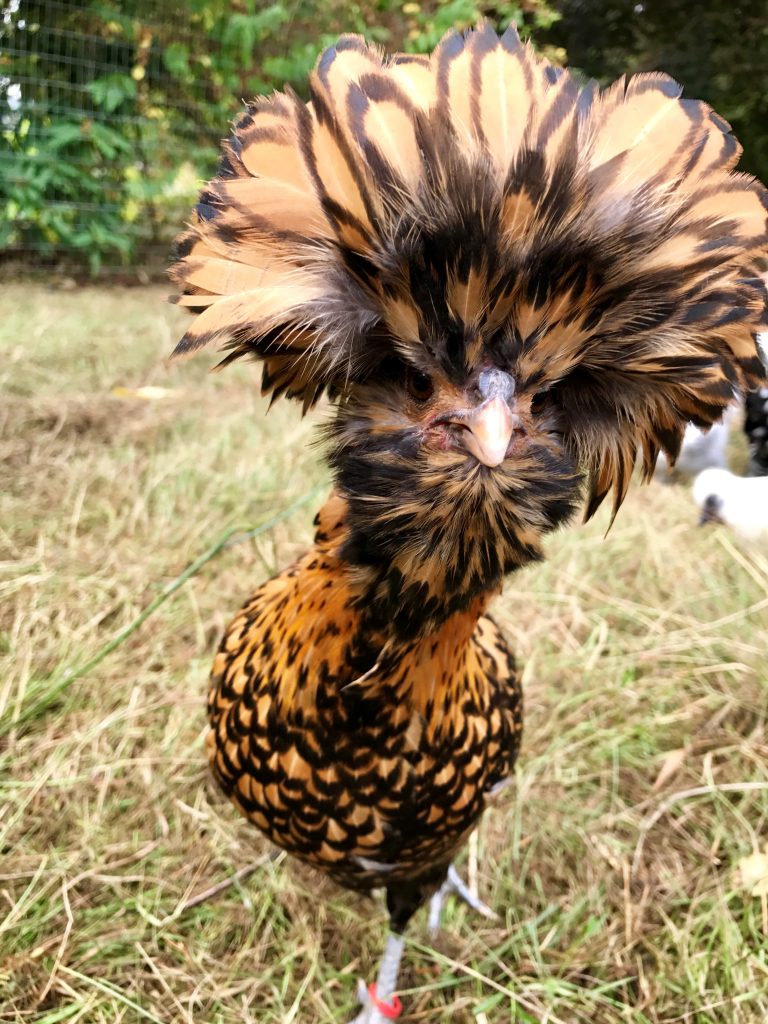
{"type": "Point", "coordinates": [111, 110]}
{"type": "Point", "coordinates": [717, 50]}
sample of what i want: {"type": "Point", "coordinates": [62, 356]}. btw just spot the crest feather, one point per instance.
{"type": "Point", "coordinates": [431, 206]}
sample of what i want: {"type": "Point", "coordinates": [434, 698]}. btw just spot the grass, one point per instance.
{"type": "Point", "coordinates": [642, 784]}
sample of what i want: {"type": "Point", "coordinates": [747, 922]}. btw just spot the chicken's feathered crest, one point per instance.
{"type": "Point", "coordinates": [478, 200]}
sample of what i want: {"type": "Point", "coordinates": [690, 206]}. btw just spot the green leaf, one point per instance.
{"type": "Point", "coordinates": [111, 91]}
{"type": "Point", "coordinates": [109, 141]}
{"type": "Point", "coordinates": [490, 1003]}
{"type": "Point", "coordinates": [176, 60]}
{"type": "Point", "coordinates": [63, 134]}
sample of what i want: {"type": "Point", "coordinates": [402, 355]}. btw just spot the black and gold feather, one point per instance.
{"type": "Point", "coordinates": [374, 773]}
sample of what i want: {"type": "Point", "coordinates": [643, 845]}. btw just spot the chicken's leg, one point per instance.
{"type": "Point", "coordinates": [380, 1005]}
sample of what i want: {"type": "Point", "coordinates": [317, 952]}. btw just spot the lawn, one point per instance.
{"type": "Point", "coordinates": [614, 861]}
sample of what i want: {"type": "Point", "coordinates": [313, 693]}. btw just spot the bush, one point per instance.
{"type": "Point", "coordinates": [109, 122]}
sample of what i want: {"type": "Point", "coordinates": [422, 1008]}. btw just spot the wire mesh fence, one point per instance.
{"type": "Point", "coordinates": [106, 130]}
{"type": "Point", "coordinates": [111, 111]}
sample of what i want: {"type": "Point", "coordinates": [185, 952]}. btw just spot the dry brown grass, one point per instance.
{"type": "Point", "coordinates": [637, 647]}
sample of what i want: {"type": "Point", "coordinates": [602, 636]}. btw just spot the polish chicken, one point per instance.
{"type": "Point", "coordinates": [508, 285]}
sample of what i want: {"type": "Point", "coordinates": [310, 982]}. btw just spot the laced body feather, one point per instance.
{"type": "Point", "coordinates": [374, 773]}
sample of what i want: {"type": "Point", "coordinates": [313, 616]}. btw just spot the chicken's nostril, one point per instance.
{"type": "Point", "coordinates": [495, 383]}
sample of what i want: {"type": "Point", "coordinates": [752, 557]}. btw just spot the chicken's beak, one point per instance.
{"type": "Point", "coordinates": [710, 511]}
{"type": "Point", "coordinates": [488, 430]}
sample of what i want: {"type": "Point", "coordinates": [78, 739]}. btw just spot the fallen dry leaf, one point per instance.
{"type": "Point", "coordinates": [671, 765]}
{"type": "Point", "coordinates": [753, 872]}
{"type": "Point", "coordinates": [150, 393]}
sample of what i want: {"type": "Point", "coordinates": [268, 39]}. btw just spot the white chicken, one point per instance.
{"type": "Point", "coordinates": [739, 502]}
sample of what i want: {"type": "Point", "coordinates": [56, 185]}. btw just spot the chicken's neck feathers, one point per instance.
{"type": "Point", "coordinates": [421, 606]}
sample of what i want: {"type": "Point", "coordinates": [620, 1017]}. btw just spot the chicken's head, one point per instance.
{"type": "Point", "coordinates": [507, 282]}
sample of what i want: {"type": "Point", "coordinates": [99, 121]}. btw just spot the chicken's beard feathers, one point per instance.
{"type": "Point", "coordinates": [428, 531]}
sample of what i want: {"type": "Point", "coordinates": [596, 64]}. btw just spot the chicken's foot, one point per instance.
{"type": "Point", "coordinates": [454, 883]}
{"type": "Point", "coordinates": [380, 1005]}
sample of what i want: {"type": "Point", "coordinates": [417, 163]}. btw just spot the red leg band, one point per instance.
{"type": "Point", "coordinates": [389, 1010]}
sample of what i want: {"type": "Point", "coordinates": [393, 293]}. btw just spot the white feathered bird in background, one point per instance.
{"type": "Point", "coordinates": [700, 450]}
{"type": "Point", "coordinates": [737, 501]}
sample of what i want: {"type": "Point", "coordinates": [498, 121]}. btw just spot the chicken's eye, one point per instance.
{"type": "Point", "coordinates": [540, 401]}
{"type": "Point", "coordinates": [419, 385]}
{"type": "Point", "coordinates": [548, 400]}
